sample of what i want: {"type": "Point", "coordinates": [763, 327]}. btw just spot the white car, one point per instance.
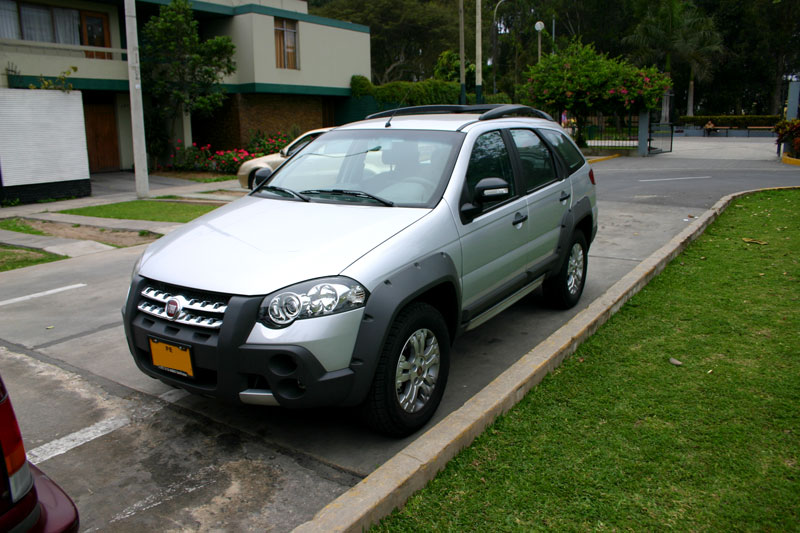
{"type": "Point", "coordinates": [248, 169]}
{"type": "Point", "coordinates": [344, 276]}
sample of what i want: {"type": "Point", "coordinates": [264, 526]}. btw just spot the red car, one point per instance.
{"type": "Point", "coordinates": [29, 500]}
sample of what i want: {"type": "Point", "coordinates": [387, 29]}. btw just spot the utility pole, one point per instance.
{"type": "Point", "coordinates": [478, 54]}
{"type": "Point", "coordinates": [463, 98]}
{"type": "Point", "coordinates": [137, 113]}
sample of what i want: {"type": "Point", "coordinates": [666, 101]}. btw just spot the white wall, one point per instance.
{"type": "Point", "coordinates": [42, 137]}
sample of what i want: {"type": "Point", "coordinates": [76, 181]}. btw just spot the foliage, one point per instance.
{"type": "Point", "coordinates": [406, 36]}
{"type": "Point", "coordinates": [581, 81]}
{"type": "Point", "coordinates": [789, 132]}
{"type": "Point", "coordinates": [619, 439]}
{"type": "Point", "coordinates": [19, 225]}
{"type": "Point", "coordinates": [407, 93]}
{"type": "Point", "coordinates": [202, 158]}
{"type": "Point", "coordinates": [448, 68]}
{"type": "Point", "coordinates": [676, 32]}
{"type": "Point", "coordinates": [267, 144]}
{"type": "Point", "coordinates": [732, 121]}
{"type": "Point", "coordinates": [61, 83]}
{"type": "Point", "coordinates": [180, 73]}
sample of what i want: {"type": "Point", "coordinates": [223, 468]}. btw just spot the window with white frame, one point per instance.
{"type": "Point", "coordinates": [286, 43]}
{"type": "Point", "coordinates": [50, 24]}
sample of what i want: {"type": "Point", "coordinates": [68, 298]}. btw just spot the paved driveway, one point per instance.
{"type": "Point", "coordinates": [136, 454]}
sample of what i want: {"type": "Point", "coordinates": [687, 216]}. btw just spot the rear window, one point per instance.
{"type": "Point", "coordinates": [565, 148]}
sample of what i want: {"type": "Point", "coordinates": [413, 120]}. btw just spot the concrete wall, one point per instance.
{"type": "Point", "coordinates": [42, 137]}
{"type": "Point", "coordinates": [327, 56]}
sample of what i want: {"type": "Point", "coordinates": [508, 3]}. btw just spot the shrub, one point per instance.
{"type": "Point", "coordinates": [789, 132]}
{"type": "Point", "coordinates": [194, 158]}
{"type": "Point", "coordinates": [267, 144]}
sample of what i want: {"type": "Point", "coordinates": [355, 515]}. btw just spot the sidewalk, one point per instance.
{"type": "Point", "coordinates": [106, 189]}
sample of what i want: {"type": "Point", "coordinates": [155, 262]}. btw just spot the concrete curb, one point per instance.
{"type": "Point", "coordinates": [789, 160]}
{"type": "Point", "coordinates": [391, 484]}
{"type": "Point", "coordinates": [593, 160]}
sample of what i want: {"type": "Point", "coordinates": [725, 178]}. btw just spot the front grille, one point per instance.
{"type": "Point", "coordinates": [197, 309]}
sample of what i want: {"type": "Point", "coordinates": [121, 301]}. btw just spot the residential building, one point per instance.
{"type": "Point", "coordinates": [292, 68]}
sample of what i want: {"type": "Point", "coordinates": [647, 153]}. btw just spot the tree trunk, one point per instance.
{"type": "Point", "coordinates": [690, 96]}
{"type": "Point", "coordinates": [776, 105]}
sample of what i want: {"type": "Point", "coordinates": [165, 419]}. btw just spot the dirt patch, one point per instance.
{"type": "Point", "coordinates": [224, 192]}
{"type": "Point", "coordinates": [113, 237]}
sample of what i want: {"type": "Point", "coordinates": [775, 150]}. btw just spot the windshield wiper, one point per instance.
{"type": "Point", "coordinates": [287, 191]}
{"type": "Point", "coordinates": [346, 192]}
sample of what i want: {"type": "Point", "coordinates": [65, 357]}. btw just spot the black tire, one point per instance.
{"type": "Point", "coordinates": [563, 290]}
{"type": "Point", "coordinates": [418, 330]}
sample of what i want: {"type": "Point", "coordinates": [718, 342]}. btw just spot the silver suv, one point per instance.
{"type": "Point", "coordinates": [345, 275]}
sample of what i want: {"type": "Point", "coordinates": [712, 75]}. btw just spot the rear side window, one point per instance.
{"type": "Point", "coordinates": [538, 168]}
{"type": "Point", "coordinates": [566, 149]}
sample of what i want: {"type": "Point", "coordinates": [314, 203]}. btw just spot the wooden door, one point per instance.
{"type": "Point", "coordinates": [101, 137]}
{"type": "Point", "coordinates": [94, 32]}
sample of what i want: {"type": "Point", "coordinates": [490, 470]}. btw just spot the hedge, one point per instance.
{"type": "Point", "coordinates": [412, 93]}
{"type": "Point", "coordinates": [731, 121]}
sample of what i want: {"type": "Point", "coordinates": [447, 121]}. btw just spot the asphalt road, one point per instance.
{"type": "Point", "coordinates": [138, 455]}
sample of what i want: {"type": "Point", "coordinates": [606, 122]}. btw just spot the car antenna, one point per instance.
{"type": "Point", "coordinates": [399, 106]}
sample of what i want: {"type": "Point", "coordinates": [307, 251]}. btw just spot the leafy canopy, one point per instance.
{"type": "Point", "coordinates": [178, 70]}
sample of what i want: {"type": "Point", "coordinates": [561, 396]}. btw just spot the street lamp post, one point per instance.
{"type": "Point", "coordinates": [495, 29]}
{"type": "Point", "coordinates": [539, 26]}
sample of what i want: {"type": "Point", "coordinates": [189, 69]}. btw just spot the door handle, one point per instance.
{"type": "Point", "coordinates": [564, 196]}
{"type": "Point", "coordinates": [519, 218]}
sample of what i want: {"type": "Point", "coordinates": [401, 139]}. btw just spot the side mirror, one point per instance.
{"type": "Point", "coordinates": [283, 152]}
{"type": "Point", "coordinates": [262, 175]}
{"type": "Point", "coordinates": [492, 190]}
{"type": "Point", "coordinates": [487, 190]}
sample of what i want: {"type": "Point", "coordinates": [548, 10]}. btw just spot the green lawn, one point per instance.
{"type": "Point", "coordinates": [11, 257]}
{"type": "Point", "coordinates": [618, 438]}
{"type": "Point", "coordinates": [19, 225]}
{"type": "Point", "coordinates": [146, 210]}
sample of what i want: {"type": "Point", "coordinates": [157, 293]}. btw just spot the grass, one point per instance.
{"type": "Point", "coordinates": [618, 438]}
{"type": "Point", "coordinates": [145, 210]}
{"type": "Point", "coordinates": [198, 176]}
{"type": "Point", "coordinates": [19, 225]}
{"type": "Point", "coordinates": [12, 257]}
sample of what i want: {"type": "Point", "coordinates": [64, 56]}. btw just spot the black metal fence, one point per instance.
{"type": "Point", "coordinates": [613, 131]}
{"type": "Point", "coordinates": [660, 138]}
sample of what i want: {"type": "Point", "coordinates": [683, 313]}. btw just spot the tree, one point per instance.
{"type": "Point", "coordinates": [580, 80]}
{"type": "Point", "coordinates": [676, 31]}
{"type": "Point", "coordinates": [180, 73]}
{"type": "Point", "coordinates": [406, 36]}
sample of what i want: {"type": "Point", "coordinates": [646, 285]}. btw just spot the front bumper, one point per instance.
{"type": "Point", "coordinates": [227, 367]}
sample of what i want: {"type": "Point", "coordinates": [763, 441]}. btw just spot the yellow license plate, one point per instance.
{"type": "Point", "coordinates": [171, 357]}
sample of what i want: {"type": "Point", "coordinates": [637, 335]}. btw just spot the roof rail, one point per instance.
{"type": "Point", "coordinates": [486, 111]}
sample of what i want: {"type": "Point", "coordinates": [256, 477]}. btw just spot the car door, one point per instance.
{"type": "Point", "coordinates": [493, 242]}
{"type": "Point", "coordinates": [547, 193]}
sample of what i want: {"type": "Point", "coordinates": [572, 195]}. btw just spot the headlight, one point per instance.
{"type": "Point", "coordinates": [319, 297]}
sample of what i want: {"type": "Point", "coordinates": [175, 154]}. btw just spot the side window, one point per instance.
{"type": "Point", "coordinates": [538, 168]}
{"type": "Point", "coordinates": [489, 159]}
{"type": "Point", "coordinates": [566, 149]}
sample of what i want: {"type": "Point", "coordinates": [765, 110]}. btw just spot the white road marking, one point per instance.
{"type": "Point", "coordinates": [73, 440]}
{"type": "Point", "coordinates": [676, 179]}
{"type": "Point", "coordinates": [40, 294]}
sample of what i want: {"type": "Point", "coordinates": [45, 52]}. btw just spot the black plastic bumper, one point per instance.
{"type": "Point", "coordinates": [224, 365]}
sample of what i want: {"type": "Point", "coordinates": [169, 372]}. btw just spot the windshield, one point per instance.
{"type": "Point", "coordinates": [403, 168]}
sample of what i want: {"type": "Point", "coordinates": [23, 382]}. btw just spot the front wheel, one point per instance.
{"type": "Point", "coordinates": [564, 290]}
{"type": "Point", "coordinates": [412, 372]}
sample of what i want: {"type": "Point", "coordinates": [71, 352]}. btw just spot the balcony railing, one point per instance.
{"type": "Point", "coordinates": [62, 50]}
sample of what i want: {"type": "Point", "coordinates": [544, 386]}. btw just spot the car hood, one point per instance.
{"type": "Point", "coordinates": [257, 245]}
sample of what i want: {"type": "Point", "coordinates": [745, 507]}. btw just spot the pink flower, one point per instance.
{"type": "Point", "coordinates": [646, 79]}
{"type": "Point", "coordinates": [194, 144]}
{"type": "Point", "coordinates": [611, 91]}
{"type": "Point", "coordinates": [179, 141]}
{"type": "Point", "coordinates": [623, 91]}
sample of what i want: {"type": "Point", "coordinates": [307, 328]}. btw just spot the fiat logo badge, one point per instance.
{"type": "Point", "coordinates": [173, 308]}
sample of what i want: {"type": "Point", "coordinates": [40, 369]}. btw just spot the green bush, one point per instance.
{"type": "Point", "coordinates": [407, 93]}
{"type": "Point", "coordinates": [194, 158]}
{"type": "Point", "coordinates": [268, 144]}
{"type": "Point", "coordinates": [789, 132]}
{"type": "Point", "coordinates": [731, 121]}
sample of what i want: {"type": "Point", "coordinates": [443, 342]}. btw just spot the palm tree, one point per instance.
{"type": "Point", "coordinates": [676, 31]}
